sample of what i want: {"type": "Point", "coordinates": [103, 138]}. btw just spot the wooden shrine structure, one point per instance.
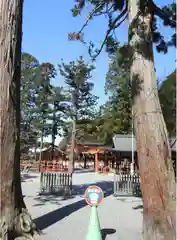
{"type": "Point", "coordinates": [53, 160]}
{"type": "Point", "coordinates": [110, 158]}
{"type": "Point", "coordinates": [98, 156]}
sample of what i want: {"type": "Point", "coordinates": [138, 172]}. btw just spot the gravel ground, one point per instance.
{"type": "Point", "coordinates": [66, 219]}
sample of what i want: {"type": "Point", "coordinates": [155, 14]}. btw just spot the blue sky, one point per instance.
{"type": "Point", "coordinates": [45, 35]}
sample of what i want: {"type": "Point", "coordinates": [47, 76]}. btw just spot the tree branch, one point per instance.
{"type": "Point", "coordinates": [104, 12]}
{"type": "Point", "coordinates": [112, 24]}
{"type": "Point", "coordinates": [107, 34]}
{"type": "Point", "coordinates": [112, 27]}
{"type": "Point", "coordinates": [89, 17]}
{"type": "Point", "coordinates": [162, 14]}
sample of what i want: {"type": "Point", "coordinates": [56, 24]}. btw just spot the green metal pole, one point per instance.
{"type": "Point", "coordinates": [94, 231]}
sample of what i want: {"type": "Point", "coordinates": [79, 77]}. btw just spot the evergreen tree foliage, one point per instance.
{"type": "Point", "coordinates": [77, 77]}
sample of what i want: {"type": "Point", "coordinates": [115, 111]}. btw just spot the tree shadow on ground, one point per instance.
{"type": "Point", "coordinates": [84, 170]}
{"type": "Point", "coordinates": [107, 231]}
{"type": "Point", "coordinates": [50, 218]}
{"type": "Point", "coordinates": [26, 176]}
{"type": "Point", "coordinates": [106, 186]}
{"type": "Point", "coordinates": [47, 199]}
{"type": "Point", "coordinates": [140, 206]}
{"type": "Point", "coordinates": [77, 190]}
{"type": "Point", "coordinates": [128, 199]}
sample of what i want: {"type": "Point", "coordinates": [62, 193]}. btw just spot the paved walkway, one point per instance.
{"type": "Point", "coordinates": [66, 219]}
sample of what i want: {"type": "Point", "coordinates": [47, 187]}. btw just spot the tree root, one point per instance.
{"type": "Point", "coordinates": [24, 228]}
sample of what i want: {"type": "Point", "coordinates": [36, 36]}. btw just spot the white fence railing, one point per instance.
{"type": "Point", "coordinates": [127, 184]}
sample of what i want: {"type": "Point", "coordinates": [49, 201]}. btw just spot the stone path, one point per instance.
{"type": "Point", "coordinates": [66, 219]}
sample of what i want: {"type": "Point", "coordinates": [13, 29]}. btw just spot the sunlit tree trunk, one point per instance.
{"type": "Point", "coordinates": [15, 221]}
{"type": "Point", "coordinates": [72, 156]}
{"type": "Point", "coordinates": [71, 162]}
{"type": "Point", "coordinates": [53, 135]}
{"type": "Point", "coordinates": [154, 154]}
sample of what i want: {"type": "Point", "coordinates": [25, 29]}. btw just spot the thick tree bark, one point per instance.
{"type": "Point", "coordinates": [154, 154]}
{"type": "Point", "coordinates": [157, 178]}
{"type": "Point", "coordinates": [15, 221]}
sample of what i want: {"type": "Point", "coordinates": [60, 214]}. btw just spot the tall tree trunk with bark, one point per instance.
{"type": "Point", "coordinates": [15, 221]}
{"type": "Point", "coordinates": [154, 154]}
{"type": "Point", "coordinates": [53, 136]}
{"type": "Point", "coordinates": [71, 162]}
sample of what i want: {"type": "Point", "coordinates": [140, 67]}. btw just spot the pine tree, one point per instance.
{"type": "Point", "coordinates": [167, 95]}
{"type": "Point", "coordinates": [43, 101]}
{"type": "Point", "coordinates": [119, 89]}
{"type": "Point", "coordinates": [77, 75]}
{"type": "Point", "coordinates": [29, 75]}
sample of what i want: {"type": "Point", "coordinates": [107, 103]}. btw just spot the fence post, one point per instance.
{"type": "Point", "coordinates": [71, 184]}
{"type": "Point", "coordinates": [52, 182]}
{"type": "Point", "coordinates": [115, 184]}
{"type": "Point", "coordinates": [41, 181]}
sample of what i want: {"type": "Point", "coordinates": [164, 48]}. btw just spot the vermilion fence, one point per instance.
{"type": "Point", "coordinates": [52, 166]}
{"type": "Point", "coordinates": [55, 166]}
{"type": "Point", "coordinates": [43, 166]}
{"type": "Point", "coordinates": [29, 165]}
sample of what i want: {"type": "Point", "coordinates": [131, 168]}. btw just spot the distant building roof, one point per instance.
{"type": "Point", "coordinates": [121, 142]}
{"type": "Point", "coordinates": [67, 140]}
{"type": "Point", "coordinates": [50, 148]}
{"type": "Point", "coordinates": [91, 143]}
{"type": "Point", "coordinates": [127, 143]}
{"type": "Point", "coordinates": [64, 142]}
{"type": "Point", "coordinates": [124, 143]}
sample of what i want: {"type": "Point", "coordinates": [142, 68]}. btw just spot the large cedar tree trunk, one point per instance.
{"type": "Point", "coordinates": [154, 154]}
{"type": "Point", "coordinates": [15, 221]}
